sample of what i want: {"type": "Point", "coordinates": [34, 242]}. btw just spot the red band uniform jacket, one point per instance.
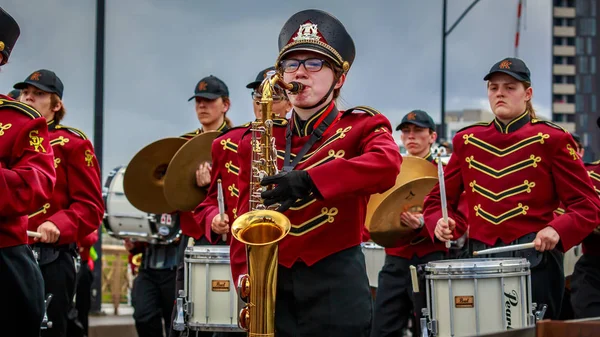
{"type": "Point", "coordinates": [189, 226]}
{"type": "Point", "coordinates": [225, 166]}
{"type": "Point", "coordinates": [591, 244]}
{"type": "Point", "coordinates": [356, 157]}
{"type": "Point", "coordinates": [27, 174]}
{"type": "Point", "coordinates": [421, 245]}
{"type": "Point", "coordinates": [76, 206]}
{"type": "Point", "coordinates": [515, 176]}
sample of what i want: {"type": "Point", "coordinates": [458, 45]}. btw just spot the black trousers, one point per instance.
{"type": "Point", "coordinates": [152, 297]}
{"type": "Point", "coordinates": [585, 287]}
{"type": "Point", "coordinates": [330, 298]}
{"type": "Point", "coordinates": [59, 279]}
{"type": "Point", "coordinates": [547, 276]}
{"type": "Point", "coordinates": [395, 301]}
{"type": "Point", "coordinates": [78, 325]}
{"type": "Point", "coordinates": [21, 293]}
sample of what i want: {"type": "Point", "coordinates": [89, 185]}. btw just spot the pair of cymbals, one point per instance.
{"type": "Point", "coordinates": [416, 179]}
{"type": "Point", "coordinates": [161, 177]}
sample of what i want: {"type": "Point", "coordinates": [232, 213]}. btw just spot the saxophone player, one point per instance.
{"type": "Point", "coordinates": [331, 161]}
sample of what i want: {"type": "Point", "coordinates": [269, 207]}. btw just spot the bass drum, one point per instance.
{"type": "Point", "coordinates": [123, 221]}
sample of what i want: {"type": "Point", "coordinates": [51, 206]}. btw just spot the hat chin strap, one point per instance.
{"type": "Point", "coordinates": [322, 100]}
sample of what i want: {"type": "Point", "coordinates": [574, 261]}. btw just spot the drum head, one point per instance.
{"type": "Point", "coordinates": [477, 266]}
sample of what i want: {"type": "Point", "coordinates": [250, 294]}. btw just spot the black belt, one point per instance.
{"type": "Point", "coordinates": [47, 253]}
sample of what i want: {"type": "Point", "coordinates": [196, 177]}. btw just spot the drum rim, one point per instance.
{"type": "Point", "coordinates": [462, 266]}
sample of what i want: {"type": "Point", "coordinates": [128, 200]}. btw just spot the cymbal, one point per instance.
{"type": "Point", "coordinates": [411, 168]}
{"type": "Point", "coordinates": [385, 227]}
{"type": "Point", "coordinates": [181, 190]}
{"type": "Point", "coordinates": [144, 176]}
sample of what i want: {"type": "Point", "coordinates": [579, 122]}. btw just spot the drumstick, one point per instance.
{"type": "Point", "coordinates": [443, 191]}
{"type": "Point", "coordinates": [221, 201]}
{"type": "Point", "coordinates": [504, 249]}
{"type": "Point", "coordinates": [34, 234]}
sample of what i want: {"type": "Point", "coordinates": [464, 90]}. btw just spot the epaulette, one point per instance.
{"type": "Point", "coordinates": [367, 109]}
{"type": "Point", "coordinates": [191, 134]}
{"type": "Point", "coordinates": [73, 130]}
{"type": "Point", "coordinates": [280, 121]}
{"type": "Point", "coordinates": [476, 124]}
{"type": "Point", "coordinates": [237, 127]}
{"type": "Point", "coordinates": [556, 126]}
{"type": "Point", "coordinates": [21, 107]}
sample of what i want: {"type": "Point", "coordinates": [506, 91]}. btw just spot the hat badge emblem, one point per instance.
{"type": "Point", "coordinates": [202, 86]}
{"type": "Point", "coordinates": [505, 64]}
{"type": "Point", "coordinates": [307, 32]}
{"type": "Point", "coordinates": [35, 76]}
{"type": "Point", "coordinates": [411, 116]}
{"type": "Point", "coordinates": [1, 46]}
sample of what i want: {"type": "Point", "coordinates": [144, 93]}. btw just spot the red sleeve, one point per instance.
{"type": "Point", "coordinates": [374, 171]}
{"type": "Point", "coordinates": [84, 214]}
{"type": "Point", "coordinates": [576, 192]}
{"type": "Point", "coordinates": [89, 240]}
{"type": "Point", "coordinates": [432, 206]}
{"type": "Point", "coordinates": [29, 180]}
{"type": "Point", "coordinates": [209, 207]}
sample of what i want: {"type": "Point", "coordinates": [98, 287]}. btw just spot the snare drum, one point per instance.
{"type": "Point", "coordinates": [211, 299]}
{"type": "Point", "coordinates": [477, 296]}
{"type": "Point", "coordinates": [374, 260]}
{"type": "Point", "coordinates": [124, 221]}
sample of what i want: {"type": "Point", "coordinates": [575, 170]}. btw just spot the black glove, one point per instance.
{"type": "Point", "coordinates": [291, 186]}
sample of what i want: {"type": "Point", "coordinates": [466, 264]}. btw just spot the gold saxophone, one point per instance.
{"type": "Point", "coordinates": [261, 228]}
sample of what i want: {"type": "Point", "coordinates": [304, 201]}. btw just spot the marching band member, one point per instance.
{"type": "Point", "coordinates": [225, 157]}
{"type": "Point", "coordinates": [27, 179]}
{"type": "Point", "coordinates": [585, 281]}
{"type": "Point", "coordinates": [515, 171]}
{"type": "Point", "coordinates": [322, 285]}
{"type": "Point", "coordinates": [212, 102]}
{"type": "Point", "coordinates": [76, 207]}
{"type": "Point", "coordinates": [394, 300]}
{"type": "Point", "coordinates": [152, 292]}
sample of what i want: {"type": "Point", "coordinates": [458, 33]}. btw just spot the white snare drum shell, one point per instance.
{"type": "Point", "coordinates": [477, 296]}
{"type": "Point", "coordinates": [208, 285]}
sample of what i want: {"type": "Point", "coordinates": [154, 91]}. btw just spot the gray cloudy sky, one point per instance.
{"type": "Point", "coordinates": [157, 50]}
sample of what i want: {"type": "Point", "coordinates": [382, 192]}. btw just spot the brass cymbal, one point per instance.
{"type": "Point", "coordinates": [411, 168]}
{"type": "Point", "coordinates": [144, 177]}
{"type": "Point", "coordinates": [385, 227]}
{"type": "Point", "coordinates": [181, 190]}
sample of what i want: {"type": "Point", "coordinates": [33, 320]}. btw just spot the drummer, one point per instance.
{"type": "Point", "coordinates": [394, 300]}
{"type": "Point", "coordinates": [212, 102]}
{"type": "Point", "coordinates": [515, 171]}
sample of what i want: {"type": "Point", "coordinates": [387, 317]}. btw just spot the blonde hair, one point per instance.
{"type": "Point", "coordinates": [60, 114]}
{"type": "Point", "coordinates": [528, 104]}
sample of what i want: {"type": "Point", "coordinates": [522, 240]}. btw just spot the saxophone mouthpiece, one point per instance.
{"type": "Point", "coordinates": [295, 87]}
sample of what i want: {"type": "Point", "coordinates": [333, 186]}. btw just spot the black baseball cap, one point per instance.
{"type": "Point", "coordinates": [9, 33]}
{"type": "Point", "coordinates": [14, 94]}
{"type": "Point", "coordinates": [259, 78]}
{"type": "Point", "coordinates": [419, 118]}
{"type": "Point", "coordinates": [210, 87]}
{"type": "Point", "coordinates": [45, 80]}
{"type": "Point", "coordinates": [511, 66]}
